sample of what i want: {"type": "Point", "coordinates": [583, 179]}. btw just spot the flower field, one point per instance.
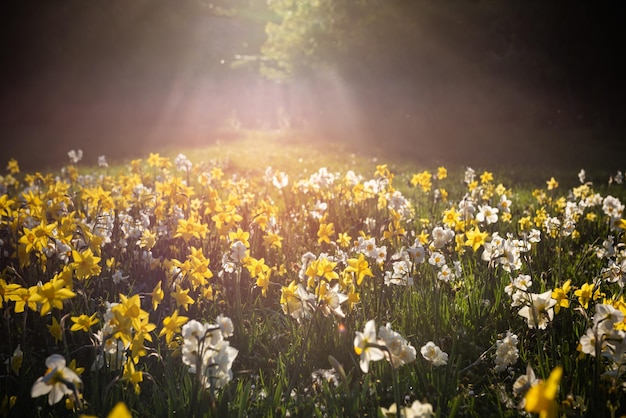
{"type": "Point", "coordinates": [308, 286]}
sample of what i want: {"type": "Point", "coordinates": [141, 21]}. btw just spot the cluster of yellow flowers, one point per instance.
{"type": "Point", "coordinates": [122, 256]}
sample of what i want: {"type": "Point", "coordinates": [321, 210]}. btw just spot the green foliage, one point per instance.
{"type": "Point", "coordinates": [310, 33]}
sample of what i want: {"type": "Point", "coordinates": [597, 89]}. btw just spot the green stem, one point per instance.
{"type": "Point", "coordinates": [396, 388]}
{"type": "Point", "coordinates": [394, 378]}
{"type": "Point", "coordinates": [300, 358]}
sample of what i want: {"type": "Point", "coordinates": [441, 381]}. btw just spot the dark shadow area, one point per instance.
{"type": "Point", "coordinates": [468, 82]}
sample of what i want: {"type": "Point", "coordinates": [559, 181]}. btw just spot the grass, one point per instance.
{"type": "Point", "coordinates": [143, 228]}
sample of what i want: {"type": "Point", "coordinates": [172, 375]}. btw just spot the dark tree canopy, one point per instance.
{"type": "Point", "coordinates": [312, 33]}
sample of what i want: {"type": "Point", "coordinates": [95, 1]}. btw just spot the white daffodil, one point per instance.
{"type": "Point", "coordinates": [434, 355]}
{"type": "Point", "coordinates": [366, 346]}
{"type": "Point", "coordinates": [57, 382]}
{"type": "Point", "coordinates": [539, 310]}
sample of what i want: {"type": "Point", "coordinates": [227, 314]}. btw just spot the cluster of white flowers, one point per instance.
{"type": "Point", "coordinates": [517, 289]}
{"type": "Point", "coordinates": [416, 410]}
{"type": "Point", "coordinates": [321, 376]}
{"type": "Point", "coordinates": [433, 354]}
{"type": "Point", "coordinates": [615, 255]}
{"type": "Point", "coordinates": [505, 252]}
{"type": "Point", "coordinates": [321, 180]}
{"type": "Point", "coordinates": [607, 249]}
{"type": "Point", "coordinates": [444, 272]}
{"type": "Point", "coordinates": [467, 208]}
{"type": "Point", "coordinates": [352, 179]}
{"type": "Point", "coordinates": [400, 274]}
{"type": "Point", "coordinates": [403, 264]}
{"type": "Point", "coordinates": [319, 210]}
{"type": "Point", "coordinates": [75, 155]}
{"type": "Point", "coordinates": [604, 336]}
{"type": "Point", "coordinates": [391, 345]}
{"type": "Point", "coordinates": [441, 236]}
{"type": "Point", "coordinates": [614, 209]}
{"type": "Point", "coordinates": [400, 351]}
{"type": "Point", "coordinates": [615, 272]}
{"type": "Point", "coordinates": [506, 352]}
{"type": "Point", "coordinates": [102, 161]}
{"type": "Point", "coordinates": [397, 202]}
{"type": "Point", "coordinates": [182, 163]}
{"type": "Point", "coordinates": [469, 176]}
{"type": "Point", "coordinates": [367, 247]}
{"type": "Point", "coordinates": [278, 179]}
{"type": "Point", "coordinates": [207, 351]}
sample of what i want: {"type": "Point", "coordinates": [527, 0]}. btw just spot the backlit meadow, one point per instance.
{"type": "Point", "coordinates": [266, 278]}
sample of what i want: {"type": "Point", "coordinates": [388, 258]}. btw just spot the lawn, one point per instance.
{"type": "Point", "coordinates": [274, 276]}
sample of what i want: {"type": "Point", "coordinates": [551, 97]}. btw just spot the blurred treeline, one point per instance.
{"type": "Point", "coordinates": [461, 80]}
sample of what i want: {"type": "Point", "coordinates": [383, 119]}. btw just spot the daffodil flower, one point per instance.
{"type": "Point", "coordinates": [57, 382]}
{"type": "Point", "coordinates": [366, 346]}
{"type": "Point", "coordinates": [540, 398]}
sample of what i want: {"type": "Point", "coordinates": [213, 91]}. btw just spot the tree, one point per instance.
{"type": "Point", "coordinates": [308, 34]}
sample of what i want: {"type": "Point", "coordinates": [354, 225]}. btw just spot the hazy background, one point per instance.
{"type": "Point", "coordinates": [474, 82]}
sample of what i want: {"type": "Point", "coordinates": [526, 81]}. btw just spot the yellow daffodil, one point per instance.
{"type": "Point", "coordinates": [344, 240]}
{"type": "Point", "coordinates": [423, 237]}
{"type": "Point", "coordinates": [51, 295]}
{"type": "Point", "coordinates": [360, 268]}
{"type": "Point", "coordinates": [55, 330]}
{"type": "Point", "coordinates": [188, 229]}
{"type": "Point", "coordinates": [6, 205]}
{"type": "Point", "coordinates": [272, 240]}
{"type": "Point", "coordinates": [541, 397]}
{"type": "Point", "coordinates": [560, 295]}
{"type": "Point", "coordinates": [13, 167]}
{"type": "Point", "coordinates": [198, 269]}
{"type": "Point", "coordinates": [132, 376]}
{"type": "Point", "coordinates": [171, 325]}
{"type": "Point", "coordinates": [130, 308]}
{"type": "Point", "coordinates": [85, 264]}
{"type": "Point", "coordinates": [37, 238]}
{"type": "Point", "coordinates": [120, 410]}
{"type": "Point", "coordinates": [157, 295]}
{"type": "Point", "coordinates": [83, 322]}
{"type": "Point", "coordinates": [486, 177]}
{"type": "Point", "coordinates": [6, 291]}
{"type": "Point", "coordinates": [423, 180]}
{"type": "Point", "coordinates": [524, 223]}
{"type": "Point", "coordinates": [552, 183]}
{"type": "Point", "coordinates": [263, 281]}
{"type": "Point", "coordinates": [322, 267]}
{"type": "Point", "coordinates": [240, 235]}
{"type": "Point", "coordinates": [585, 294]}
{"type": "Point", "coordinates": [182, 298]}
{"type": "Point", "coordinates": [325, 232]}
{"type": "Point", "coordinates": [451, 217]}
{"type": "Point", "coordinates": [475, 238]}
